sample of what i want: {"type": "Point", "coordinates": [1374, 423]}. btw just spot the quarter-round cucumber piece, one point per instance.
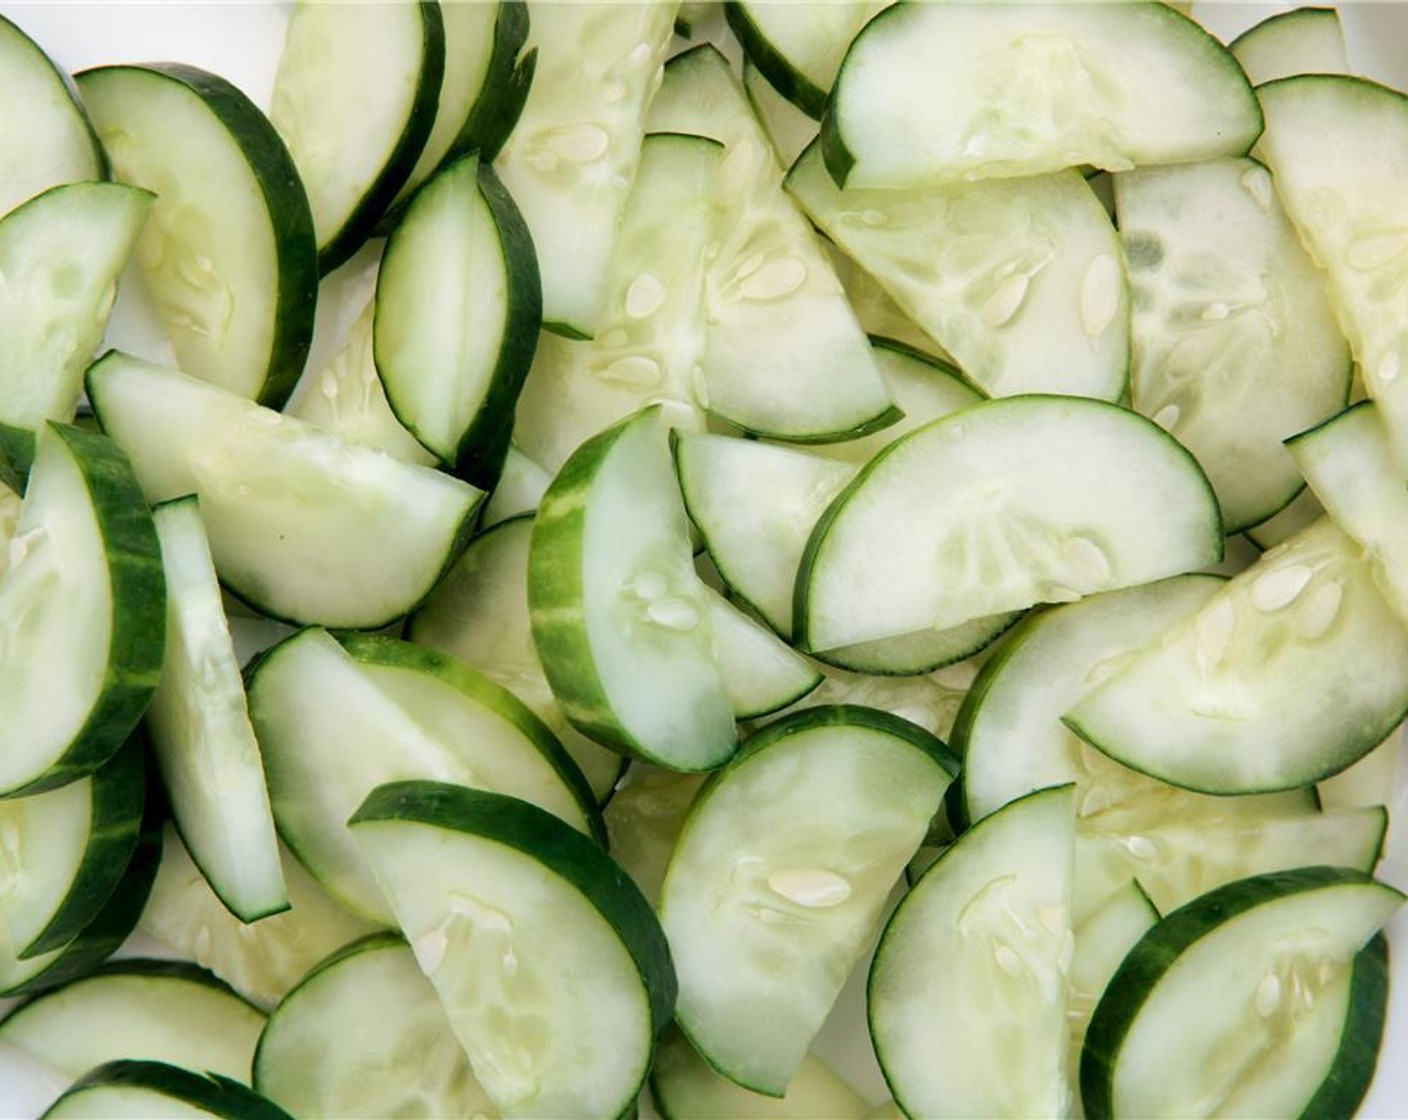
{"type": "Point", "coordinates": [945, 91]}
{"type": "Point", "coordinates": [147, 1090]}
{"type": "Point", "coordinates": [1301, 41]}
{"type": "Point", "coordinates": [779, 879]}
{"type": "Point", "coordinates": [1043, 499]}
{"type": "Point", "coordinates": [228, 253]}
{"type": "Point", "coordinates": [552, 968]}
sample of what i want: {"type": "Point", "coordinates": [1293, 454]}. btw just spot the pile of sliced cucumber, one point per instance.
{"type": "Point", "coordinates": [710, 560]}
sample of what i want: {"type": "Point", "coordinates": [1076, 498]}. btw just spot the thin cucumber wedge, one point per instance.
{"type": "Point", "coordinates": [761, 673]}
{"type": "Point", "coordinates": [458, 305]}
{"type": "Point", "coordinates": [1231, 700]}
{"type": "Point", "coordinates": [1301, 41]}
{"type": "Point", "coordinates": [1303, 511]}
{"type": "Point", "coordinates": [552, 968]}
{"type": "Point", "coordinates": [200, 732]}
{"type": "Point", "coordinates": [61, 254]}
{"type": "Point", "coordinates": [355, 100]}
{"type": "Point", "coordinates": [84, 596]}
{"type": "Point", "coordinates": [520, 487]}
{"type": "Point", "coordinates": [169, 1011]}
{"type": "Point", "coordinates": [967, 991]}
{"type": "Point", "coordinates": [1234, 344]}
{"type": "Point", "coordinates": [479, 614]}
{"type": "Point", "coordinates": [1026, 89]}
{"type": "Point", "coordinates": [51, 141]}
{"type": "Point", "coordinates": [302, 524]}
{"type": "Point", "coordinates": [1208, 1000]}
{"type": "Point", "coordinates": [788, 129]}
{"type": "Point", "coordinates": [1021, 281]}
{"type": "Point", "coordinates": [779, 879]}
{"type": "Point", "coordinates": [616, 607]}
{"type": "Point", "coordinates": [228, 253]}
{"type": "Point", "coordinates": [364, 1035]}
{"type": "Point", "coordinates": [131, 1088]}
{"type": "Point", "coordinates": [573, 153]}
{"type": "Point", "coordinates": [644, 818]}
{"type": "Point", "coordinates": [1091, 497]}
{"type": "Point", "coordinates": [335, 722]}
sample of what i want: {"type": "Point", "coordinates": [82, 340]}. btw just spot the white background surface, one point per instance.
{"type": "Point", "coordinates": [242, 40]}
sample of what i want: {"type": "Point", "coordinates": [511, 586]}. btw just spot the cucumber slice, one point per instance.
{"type": "Point", "coordinates": [1235, 346]}
{"type": "Point", "coordinates": [84, 597]}
{"type": "Point", "coordinates": [263, 961]}
{"type": "Point", "coordinates": [334, 723]}
{"type": "Point", "coordinates": [479, 614]}
{"type": "Point", "coordinates": [761, 673]}
{"type": "Point", "coordinates": [1303, 511]}
{"type": "Point", "coordinates": [1301, 41]}
{"type": "Point", "coordinates": [651, 337]}
{"type": "Point", "coordinates": [228, 253]}
{"type": "Point", "coordinates": [363, 1035]}
{"type": "Point", "coordinates": [551, 966]}
{"type": "Point", "coordinates": [200, 730]}
{"type": "Point", "coordinates": [571, 159]}
{"type": "Point", "coordinates": [520, 487]}
{"type": "Point", "coordinates": [1044, 498]}
{"type": "Point", "coordinates": [788, 129]}
{"type": "Point", "coordinates": [931, 700]}
{"type": "Point", "coordinates": [617, 609]}
{"type": "Point", "coordinates": [1232, 699]}
{"type": "Point", "coordinates": [1031, 88]}
{"type": "Point", "coordinates": [127, 1088]}
{"type": "Point", "coordinates": [783, 354]}
{"type": "Point", "coordinates": [1209, 1000]}
{"type": "Point", "coordinates": [302, 524]}
{"type": "Point", "coordinates": [61, 254]}
{"type": "Point", "coordinates": [458, 306]}
{"type": "Point", "coordinates": [355, 99]}
{"type": "Point", "coordinates": [643, 820]}
{"type": "Point", "coordinates": [779, 880]}
{"type": "Point", "coordinates": [682, 1084]}
{"type": "Point", "coordinates": [51, 141]}
{"type": "Point", "coordinates": [168, 1011]}
{"type": "Point", "coordinates": [967, 992]}
{"type": "Point", "coordinates": [989, 270]}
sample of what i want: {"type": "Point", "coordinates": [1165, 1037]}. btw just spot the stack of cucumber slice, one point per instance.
{"type": "Point", "coordinates": [701, 560]}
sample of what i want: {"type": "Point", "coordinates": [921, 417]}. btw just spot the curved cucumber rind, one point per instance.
{"type": "Point", "coordinates": [1045, 498]}
{"type": "Point", "coordinates": [545, 897]}
{"type": "Point", "coordinates": [1257, 951]}
{"type": "Point", "coordinates": [772, 64]}
{"type": "Point", "coordinates": [229, 252]}
{"type": "Point", "coordinates": [1111, 86]}
{"type": "Point", "coordinates": [506, 85]}
{"type": "Point", "coordinates": [458, 305]}
{"type": "Point", "coordinates": [1346, 1085]}
{"type": "Point", "coordinates": [1301, 41]}
{"type": "Point", "coordinates": [144, 1088]}
{"type": "Point", "coordinates": [85, 586]}
{"type": "Point", "coordinates": [388, 60]}
{"type": "Point", "coordinates": [779, 879]}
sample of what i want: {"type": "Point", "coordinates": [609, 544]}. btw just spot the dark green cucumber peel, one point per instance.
{"type": "Point", "coordinates": [849, 715]}
{"type": "Point", "coordinates": [781, 75]}
{"type": "Point", "coordinates": [186, 972]}
{"type": "Point", "coordinates": [100, 157]}
{"type": "Point", "coordinates": [505, 89]}
{"type": "Point", "coordinates": [209, 1092]}
{"type": "Point", "coordinates": [1351, 1073]}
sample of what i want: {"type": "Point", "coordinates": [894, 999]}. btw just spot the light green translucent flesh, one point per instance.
{"type": "Point", "coordinates": [989, 269]}
{"type": "Point", "coordinates": [1235, 346]}
{"type": "Point", "coordinates": [1338, 148]}
{"type": "Point", "coordinates": [778, 885]}
{"type": "Point", "coordinates": [367, 1037]}
{"type": "Point", "coordinates": [521, 486]}
{"type": "Point", "coordinates": [1304, 41]}
{"type": "Point", "coordinates": [262, 961]}
{"type": "Point", "coordinates": [643, 820]}
{"type": "Point", "coordinates": [125, 1102]}
{"type": "Point", "coordinates": [783, 353]}
{"type": "Point", "coordinates": [967, 995]}
{"type": "Point", "coordinates": [931, 700]}
{"type": "Point", "coordinates": [650, 340]}
{"type": "Point", "coordinates": [683, 1085]}
{"type": "Point", "coordinates": [1235, 1000]}
{"type": "Point", "coordinates": [539, 989]}
{"type": "Point", "coordinates": [877, 310]}
{"type": "Point", "coordinates": [55, 611]}
{"type": "Point", "coordinates": [1028, 88]}
{"type": "Point", "coordinates": [570, 161]}
{"type": "Point", "coordinates": [207, 251]}
{"type": "Point", "coordinates": [301, 522]}
{"type": "Point", "coordinates": [200, 730]}
{"type": "Point", "coordinates": [1302, 511]}
{"type": "Point", "coordinates": [442, 309]}
{"type": "Point", "coordinates": [788, 129]}
{"type": "Point", "coordinates": [150, 1017]}
{"type": "Point", "coordinates": [812, 41]}
{"type": "Point", "coordinates": [60, 258]}
{"type": "Point", "coordinates": [44, 839]}
{"type": "Point", "coordinates": [1349, 465]}
{"type": "Point", "coordinates": [479, 613]}
{"type": "Point", "coordinates": [343, 96]}
{"type": "Point", "coordinates": [332, 732]}
{"type": "Point", "coordinates": [10, 506]}
{"type": "Point", "coordinates": [1232, 699]}
{"type": "Point", "coordinates": [1044, 499]}
{"type": "Point", "coordinates": [761, 673]}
